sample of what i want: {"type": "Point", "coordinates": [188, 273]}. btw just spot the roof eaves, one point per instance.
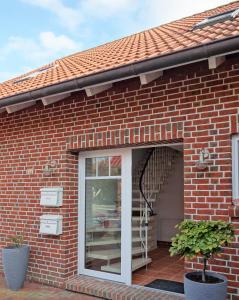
{"type": "Point", "coordinates": [175, 59]}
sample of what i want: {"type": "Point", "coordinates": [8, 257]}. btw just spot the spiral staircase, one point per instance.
{"type": "Point", "coordinates": [148, 179]}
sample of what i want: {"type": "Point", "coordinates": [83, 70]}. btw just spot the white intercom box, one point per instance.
{"type": "Point", "coordinates": [52, 196]}
{"type": "Point", "coordinates": [51, 224]}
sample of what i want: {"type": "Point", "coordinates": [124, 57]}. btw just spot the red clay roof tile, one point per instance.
{"type": "Point", "coordinates": [167, 38]}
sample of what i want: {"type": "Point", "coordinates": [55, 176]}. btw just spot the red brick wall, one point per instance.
{"type": "Point", "coordinates": [190, 103]}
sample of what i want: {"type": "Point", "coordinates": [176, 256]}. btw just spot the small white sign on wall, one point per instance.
{"type": "Point", "coordinates": [51, 196]}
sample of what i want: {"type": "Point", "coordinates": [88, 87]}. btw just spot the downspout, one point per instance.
{"type": "Point", "coordinates": [162, 62]}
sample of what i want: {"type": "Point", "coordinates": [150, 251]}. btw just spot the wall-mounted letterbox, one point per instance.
{"type": "Point", "coordinates": [51, 224]}
{"type": "Point", "coordinates": [52, 196]}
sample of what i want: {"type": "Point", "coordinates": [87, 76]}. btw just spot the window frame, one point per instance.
{"type": "Point", "coordinates": [222, 17]}
{"type": "Point", "coordinates": [235, 166]}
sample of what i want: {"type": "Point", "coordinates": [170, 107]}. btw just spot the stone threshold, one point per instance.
{"type": "Point", "coordinates": [111, 290]}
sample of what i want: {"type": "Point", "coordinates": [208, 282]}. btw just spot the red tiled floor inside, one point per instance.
{"type": "Point", "coordinates": [163, 266]}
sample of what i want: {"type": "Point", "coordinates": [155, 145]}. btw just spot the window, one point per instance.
{"type": "Point", "coordinates": [34, 74]}
{"type": "Point", "coordinates": [235, 166]}
{"type": "Point", "coordinates": [228, 15]}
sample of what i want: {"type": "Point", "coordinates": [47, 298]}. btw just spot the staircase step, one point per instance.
{"type": "Point", "coordinates": [136, 264]}
{"type": "Point", "coordinates": [108, 241]}
{"type": "Point", "coordinates": [138, 199]}
{"type": "Point", "coordinates": [111, 253]}
{"type": "Point", "coordinates": [139, 209]}
{"type": "Point", "coordinates": [138, 191]}
{"type": "Point", "coordinates": [100, 242]}
{"type": "Point", "coordinates": [137, 218]}
{"type": "Point", "coordinates": [111, 229]}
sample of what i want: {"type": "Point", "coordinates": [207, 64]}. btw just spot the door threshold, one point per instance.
{"type": "Point", "coordinates": [111, 290]}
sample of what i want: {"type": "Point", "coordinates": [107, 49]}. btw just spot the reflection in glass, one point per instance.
{"type": "Point", "coordinates": [103, 166]}
{"type": "Point", "coordinates": [90, 167]}
{"type": "Point", "coordinates": [103, 223]}
{"type": "Point", "coordinates": [115, 166]}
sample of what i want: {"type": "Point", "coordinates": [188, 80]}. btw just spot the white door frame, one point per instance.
{"type": "Point", "coordinates": [126, 215]}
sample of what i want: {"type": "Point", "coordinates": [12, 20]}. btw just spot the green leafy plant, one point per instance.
{"type": "Point", "coordinates": [203, 238]}
{"type": "Point", "coordinates": [17, 240]}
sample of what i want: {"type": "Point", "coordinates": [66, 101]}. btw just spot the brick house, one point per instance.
{"type": "Point", "coordinates": [97, 140]}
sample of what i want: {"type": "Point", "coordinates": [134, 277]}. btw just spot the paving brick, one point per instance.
{"type": "Point", "coordinates": [117, 291]}
{"type": "Point", "coordinates": [34, 291]}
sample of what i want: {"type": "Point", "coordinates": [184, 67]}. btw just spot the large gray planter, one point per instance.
{"type": "Point", "coordinates": [15, 262]}
{"type": "Point", "coordinates": [211, 291]}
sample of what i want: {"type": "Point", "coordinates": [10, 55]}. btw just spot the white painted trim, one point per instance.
{"type": "Point", "coordinates": [149, 77]}
{"type": "Point", "coordinates": [126, 246]}
{"type": "Point", "coordinates": [94, 90]}
{"type": "Point", "coordinates": [55, 98]}
{"type": "Point", "coordinates": [102, 177]}
{"type": "Point", "coordinates": [235, 166]}
{"type": "Point", "coordinates": [16, 107]}
{"type": "Point", "coordinates": [215, 61]}
{"type": "Point", "coordinates": [126, 226]}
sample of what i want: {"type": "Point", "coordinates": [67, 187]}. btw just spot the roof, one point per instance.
{"type": "Point", "coordinates": [159, 41]}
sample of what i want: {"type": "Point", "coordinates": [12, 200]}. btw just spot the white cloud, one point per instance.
{"type": "Point", "coordinates": [155, 12]}
{"type": "Point", "coordinates": [71, 18]}
{"type": "Point", "coordinates": [107, 8]}
{"type": "Point", "coordinates": [68, 17]}
{"type": "Point", "coordinates": [5, 75]}
{"type": "Point", "coordinates": [47, 46]}
{"type": "Point", "coordinates": [93, 22]}
{"type": "Point", "coordinates": [35, 52]}
{"type": "Point", "coordinates": [58, 43]}
{"type": "Point", "coordinates": [89, 16]}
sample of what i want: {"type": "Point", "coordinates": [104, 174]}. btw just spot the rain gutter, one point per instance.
{"type": "Point", "coordinates": [182, 57]}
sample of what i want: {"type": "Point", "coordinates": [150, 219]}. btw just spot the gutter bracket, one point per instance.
{"type": "Point", "coordinates": [215, 61]}
{"type": "Point", "coordinates": [149, 77]}
{"type": "Point", "coordinates": [94, 90]}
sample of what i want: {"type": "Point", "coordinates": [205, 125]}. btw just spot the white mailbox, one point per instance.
{"type": "Point", "coordinates": [51, 224]}
{"type": "Point", "coordinates": [52, 196]}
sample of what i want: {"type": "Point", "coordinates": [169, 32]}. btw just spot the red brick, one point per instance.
{"type": "Point", "coordinates": [30, 137]}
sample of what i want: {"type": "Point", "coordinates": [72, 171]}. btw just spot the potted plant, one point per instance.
{"type": "Point", "coordinates": [15, 262]}
{"type": "Point", "coordinates": [205, 239]}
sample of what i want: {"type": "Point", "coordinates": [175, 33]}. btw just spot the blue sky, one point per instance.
{"type": "Point", "coordinates": [36, 32]}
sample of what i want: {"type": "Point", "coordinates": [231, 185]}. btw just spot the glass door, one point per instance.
{"type": "Point", "coordinates": [105, 215]}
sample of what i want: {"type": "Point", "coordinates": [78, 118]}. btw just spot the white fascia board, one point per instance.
{"type": "Point", "coordinates": [215, 61]}
{"type": "Point", "coordinates": [55, 98]}
{"type": "Point", "coordinates": [16, 107]}
{"type": "Point", "coordinates": [149, 77]}
{"type": "Point", "coordinates": [94, 90]}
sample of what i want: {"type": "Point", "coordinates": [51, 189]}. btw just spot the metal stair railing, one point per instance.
{"type": "Point", "coordinates": [153, 176]}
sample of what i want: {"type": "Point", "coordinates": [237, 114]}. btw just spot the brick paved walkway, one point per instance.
{"type": "Point", "coordinates": [107, 290]}
{"type": "Point", "coordinates": [34, 291]}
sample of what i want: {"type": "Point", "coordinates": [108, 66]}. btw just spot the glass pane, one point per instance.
{"type": "Point", "coordinates": [103, 166]}
{"type": "Point", "coordinates": [90, 167]}
{"type": "Point", "coordinates": [103, 225]}
{"type": "Point", "coordinates": [115, 166]}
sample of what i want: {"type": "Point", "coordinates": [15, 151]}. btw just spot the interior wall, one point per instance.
{"type": "Point", "coordinates": [170, 206]}
{"type": "Point", "coordinates": [138, 155]}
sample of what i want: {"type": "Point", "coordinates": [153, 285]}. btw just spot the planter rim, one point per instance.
{"type": "Point", "coordinates": [214, 274]}
{"type": "Point", "coordinates": [15, 248]}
